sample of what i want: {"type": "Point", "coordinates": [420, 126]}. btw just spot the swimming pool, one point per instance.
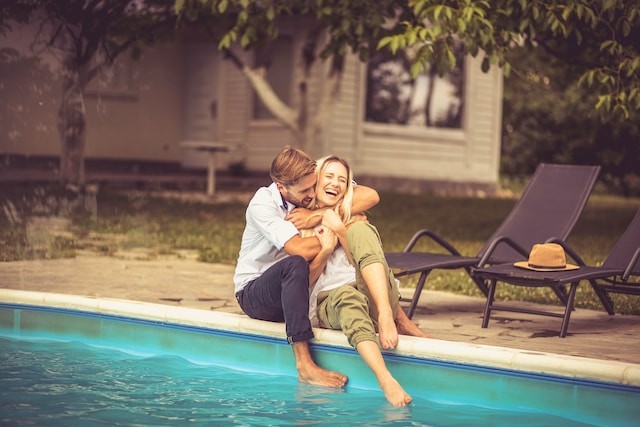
{"type": "Point", "coordinates": [190, 347]}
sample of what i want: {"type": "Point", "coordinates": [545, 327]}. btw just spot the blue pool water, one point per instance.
{"type": "Point", "coordinates": [62, 383]}
{"type": "Point", "coordinates": [60, 367]}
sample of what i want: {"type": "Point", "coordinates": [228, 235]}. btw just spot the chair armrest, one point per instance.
{"type": "Point", "coordinates": [494, 244]}
{"type": "Point", "coordinates": [573, 254]}
{"type": "Point", "coordinates": [439, 240]}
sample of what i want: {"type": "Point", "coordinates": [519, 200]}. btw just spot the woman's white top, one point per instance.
{"type": "Point", "coordinates": [337, 272]}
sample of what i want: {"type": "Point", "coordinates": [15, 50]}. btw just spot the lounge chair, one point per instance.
{"type": "Point", "coordinates": [549, 207]}
{"type": "Point", "coordinates": [622, 263]}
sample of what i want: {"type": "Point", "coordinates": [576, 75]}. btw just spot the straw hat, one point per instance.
{"type": "Point", "coordinates": [546, 257]}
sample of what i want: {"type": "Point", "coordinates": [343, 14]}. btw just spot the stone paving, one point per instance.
{"type": "Point", "coordinates": [183, 281]}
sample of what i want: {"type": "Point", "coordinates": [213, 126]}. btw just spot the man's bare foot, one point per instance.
{"type": "Point", "coordinates": [394, 392]}
{"type": "Point", "coordinates": [313, 374]}
{"type": "Point", "coordinates": [407, 327]}
{"type": "Point", "coordinates": [387, 330]}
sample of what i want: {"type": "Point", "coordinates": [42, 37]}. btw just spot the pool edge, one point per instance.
{"type": "Point", "coordinates": [624, 373]}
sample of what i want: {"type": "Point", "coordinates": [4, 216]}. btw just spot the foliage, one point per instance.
{"type": "Point", "coordinates": [603, 34]}
{"type": "Point", "coordinates": [549, 117]}
{"type": "Point", "coordinates": [349, 24]}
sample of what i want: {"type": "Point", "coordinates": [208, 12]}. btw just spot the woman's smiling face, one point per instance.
{"type": "Point", "coordinates": [332, 184]}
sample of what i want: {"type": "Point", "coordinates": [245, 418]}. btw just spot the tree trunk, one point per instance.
{"type": "Point", "coordinates": [71, 128]}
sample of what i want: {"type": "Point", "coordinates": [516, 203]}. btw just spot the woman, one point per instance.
{"type": "Point", "coordinates": [353, 288]}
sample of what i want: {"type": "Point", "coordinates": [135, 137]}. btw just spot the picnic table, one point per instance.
{"type": "Point", "coordinates": [212, 148]}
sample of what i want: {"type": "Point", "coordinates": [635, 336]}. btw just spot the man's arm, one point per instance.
{"type": "Point", "coordinates": [307, 247]}
{"type": "Point", "coordinates": [364, 198]}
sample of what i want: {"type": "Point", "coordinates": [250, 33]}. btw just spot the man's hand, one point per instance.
{"type": "Point", "coordinates": [304, 218]}
{"type": "Point", "coordinates": [358, 218]}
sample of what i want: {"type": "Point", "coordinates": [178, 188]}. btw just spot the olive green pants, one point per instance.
{"type": "Point", "coordinates": [350, 307]}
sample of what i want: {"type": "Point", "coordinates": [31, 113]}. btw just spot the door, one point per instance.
{"type": "Point", "coordinates": [200, 102]}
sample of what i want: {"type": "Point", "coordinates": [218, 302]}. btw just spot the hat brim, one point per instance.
{"type": "Point", "coordinates": [525, 264]}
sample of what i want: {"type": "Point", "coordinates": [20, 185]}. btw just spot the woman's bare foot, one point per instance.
{"type": "Point", "coordinates": [406, 326]}
{"type": "Point", "coordinates": [394, 392]}
{"type": "Point", "coordinates": [387, 330]}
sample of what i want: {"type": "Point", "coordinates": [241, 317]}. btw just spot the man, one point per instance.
{"type": "Point", "coordinates": [272, 273]}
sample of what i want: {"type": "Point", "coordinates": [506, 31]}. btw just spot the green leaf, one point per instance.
{"type": "Point", "coordinates": [416, 68]}
{"type": "Point", "coordinates": [394, 45]}
{"type": "Point", "coordinates": [437, 11]}
{"type": "Point", "coordinates": [271, 13]}
{"type": "Point", "coordinates": [178, 5]}
{"type": "Point", "coordinates": [384, 41]}
{"type": "Point", "coordinates": [448, 12]}
{"type": "Point", "coordinates": [485, 65]}
{"type": "Point", "coordinates": [451, 57]}
{"type": "Point", "coordinates": [608, 4]}
{"type": "Point", "coordinates": [507, 69]}
{"type": "Point", "coordinates": [626, 28]}
{"type": "Point", "coordinates": [225, 42]}
{"type": "Point", "coordinates": [462, 26]}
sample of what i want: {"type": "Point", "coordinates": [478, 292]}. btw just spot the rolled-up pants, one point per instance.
{"type": "Point", "coordinates": [281, 293]}
{"type": "Point", "coordinates": [350, 307]}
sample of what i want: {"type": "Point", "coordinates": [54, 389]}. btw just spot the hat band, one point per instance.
{"type": "Point", "coordinates": [548, 267]}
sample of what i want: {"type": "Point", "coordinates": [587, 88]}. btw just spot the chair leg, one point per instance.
{"type": "Point", "coordinates": [416, 293]}
{"type": "Point", "coordinates": [561, 293]}
{"type": "Point", "coordinates": [568, 309]}
{"type": "Point", "coordinates": [487, 308]}
{"type": "Point", "coordinates": [479, 282]}
{"type": "Point", "coordinates": [604, 297]}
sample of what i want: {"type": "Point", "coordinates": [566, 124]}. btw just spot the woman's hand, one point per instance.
{"type": "Point", "coordinates": [328, 239]}
{"type": "Point", "coordinates": [332, 220]}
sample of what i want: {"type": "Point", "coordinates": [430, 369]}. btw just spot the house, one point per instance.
{"type": "Point", "coordinates": [409, 134]}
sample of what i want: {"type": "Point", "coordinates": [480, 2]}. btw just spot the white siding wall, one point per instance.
{"type": "Point", "coordinates": [468, 155]}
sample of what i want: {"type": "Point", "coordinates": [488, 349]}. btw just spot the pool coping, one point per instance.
{"type": "Point", "coordinates": [616, 372]}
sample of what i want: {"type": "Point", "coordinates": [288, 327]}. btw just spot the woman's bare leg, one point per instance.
{"type": "Point", "coordinates": [393, 391]}
{"type": "Point", "coordinates": [376, 277]}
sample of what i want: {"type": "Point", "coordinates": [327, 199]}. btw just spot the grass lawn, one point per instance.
{"type": "Point", "coordinates": [130, 220]}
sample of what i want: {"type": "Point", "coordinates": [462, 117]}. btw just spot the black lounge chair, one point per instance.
{"type": "Point", "coordinates": [622, 263]}
{"type": "Point", "coordinates": [548, 208]}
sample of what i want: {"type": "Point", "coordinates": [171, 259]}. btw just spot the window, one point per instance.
{"type": "Point", "coordinates": [278, 60]}
{"type": "Point", "coordinates": [394, 97]}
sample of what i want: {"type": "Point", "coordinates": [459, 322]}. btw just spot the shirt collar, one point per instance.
{"type": "Point", "coordinates": [279, 200]}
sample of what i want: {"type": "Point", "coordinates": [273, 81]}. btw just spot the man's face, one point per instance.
{"type": "Point", "coordinates": [300, 194]}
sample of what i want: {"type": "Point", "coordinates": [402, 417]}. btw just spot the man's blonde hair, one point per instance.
{"type": "Point", "coordinates": [291, 165]}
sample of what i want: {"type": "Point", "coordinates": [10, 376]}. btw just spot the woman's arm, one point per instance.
{"type": "Point", "coordinates": [364, 198]}
{"type": "Point", "coordinates": [332, 220]}
{"type": "Point", "coordinates": [328, 241]}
